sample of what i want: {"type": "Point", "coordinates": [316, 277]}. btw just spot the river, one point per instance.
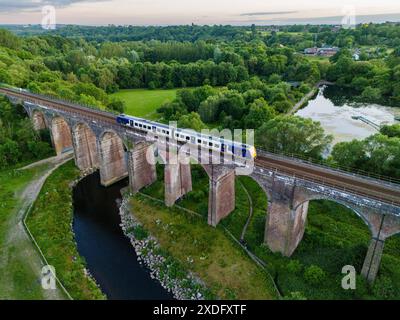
{"type": "Point", "coordinates": [110, 256]}
{"type": "Point", "coordinates": [334, 108]}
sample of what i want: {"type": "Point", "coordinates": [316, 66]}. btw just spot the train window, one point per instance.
{"type": "Point", "coordinates": [131, 123]}
{"type": "Point", "coordinates": [187, 138]}
{"type": "Point", "coordinates": [136, 124]}
{"type": "Point", "coordinates": [210, 144]}
{"type": "Point", "coordinates": [140, 125]}
{"type": "Point", "coordinates": [167, 132]}
{"type": "Point", "coordinates": [163, 131]}
{"type": "Point", "coordinates": [222, 147]}
{"type": "Point", "coordinates": [244, 152]}
{"type": "Point", "coordinates": [199, 141]}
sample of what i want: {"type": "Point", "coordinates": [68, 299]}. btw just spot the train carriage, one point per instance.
{"type": "Point", "coordinates": [221, 145]}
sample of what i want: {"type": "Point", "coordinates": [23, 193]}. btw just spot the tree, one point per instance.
{"type": "Point", "coordinates": [377, 154]}
{"type": "Point", "coordinates": [260, 112]}
{"type": "Point", "coordinates": [116, 105]}
{"type": "Point", "coordinates": [191, 121]}
{"type": "Point", "coordinates": [391, 131]}
{"type": "Point", "coordinates": [314, 275]}
{"type": "Point", "coordinates": [293, 135]}
{"type": "Point", "coordinates": [371, 94]}
{"type": "Point", "coordinates": [209, 109]}
{"type": "Point", "coordinates": [349, 154]}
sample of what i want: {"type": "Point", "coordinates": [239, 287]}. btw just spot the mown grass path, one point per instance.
{"type": "Point", "coordinates": [20, 263]}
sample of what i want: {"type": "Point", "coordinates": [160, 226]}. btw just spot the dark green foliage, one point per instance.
{"type": "Point", "coordinates": [392, 131]}
{"type": "Point", "coordinates": [378, 154]}
{"type": "Point", "coordinates": [140, 233]}
{"type": "Point", "coordinates": [293, 135]}
{"type": "Point", "coordinates": [314, 275]}
{"type": "Point", "coordinates": [19, 142]}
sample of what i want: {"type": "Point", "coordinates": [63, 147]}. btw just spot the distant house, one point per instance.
{"type": "Point", "coordinates": [328, 51]}
{"type": "Point", "coordinates": [324, 51]}
{"type": "Point", "coordinates": [356, 55]}
{"type": "Point", "coordinates": [311, 51]}
{"type": "Point", "coordinates": [294, 84]}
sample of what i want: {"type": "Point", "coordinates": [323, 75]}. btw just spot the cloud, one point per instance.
{"type": "Point", "coordinates": [29, 5]}
{"type": "Point", "coordinates": [267, 13]}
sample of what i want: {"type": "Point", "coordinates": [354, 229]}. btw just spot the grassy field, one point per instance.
{"type": "Point", "coordinates": [223, 266]}
{"type": "Point", "coordinates": [143, 102]}
{"type": "Point", "coordinates": [223, 256]}
{"type": "Point", "coordinates": [50, 222]}
{"type": "Point", "coordinates": [334, 237]}
{"type": "Point", "coordinates": [17, 280]}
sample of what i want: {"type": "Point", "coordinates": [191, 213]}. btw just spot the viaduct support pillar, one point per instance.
{"type": "Point", "coordinates": [382, 226]}
{"type": "Point", "coordinates": [221, 200]}
{"type": "Point", "coordinates": [285, 227]}
{"type": "Point", "coordinates": [285, 224]}
{"type": "Point", "coordinates": [373, 259]}
{"type": "Point", "coordinates": [178, 182]}
{"type": "Point", "coordinates": [141, 166]}
{"type": "Point", "coordinates": [113, 162]}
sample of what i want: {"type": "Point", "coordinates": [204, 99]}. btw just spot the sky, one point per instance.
{"type": "Point", "coordinates": [173, 12]}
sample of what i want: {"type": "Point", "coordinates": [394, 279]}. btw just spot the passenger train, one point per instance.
{"type": "Point", "coordinates": [207, 142]}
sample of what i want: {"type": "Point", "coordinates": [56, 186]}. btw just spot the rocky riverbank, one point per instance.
{"type": "Point", "coordinates": [183, 284]}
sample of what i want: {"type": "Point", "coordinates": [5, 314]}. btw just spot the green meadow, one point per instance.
{"type": "Point", "coordinates": [143, 102]}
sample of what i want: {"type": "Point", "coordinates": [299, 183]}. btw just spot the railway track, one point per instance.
{"type": "Point", "coordinates": [366, 187]}
{"type": "Point", "coordinates": [363, 186]}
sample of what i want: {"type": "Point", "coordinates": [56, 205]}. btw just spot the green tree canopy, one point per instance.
{"type": "Point", "coordinates": [293, 135]}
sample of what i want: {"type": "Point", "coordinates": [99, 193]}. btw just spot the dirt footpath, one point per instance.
{"type": "Point", "coordinates": [17, 241]}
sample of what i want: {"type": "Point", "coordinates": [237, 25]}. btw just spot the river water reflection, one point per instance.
{"type": "Point", "coordinates": [334, 109]}
{"type": "Point", "coordinates": [110, 256]}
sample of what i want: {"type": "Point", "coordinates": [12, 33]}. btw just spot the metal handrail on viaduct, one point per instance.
{"type": "Point", "coordinates": [99, 142]}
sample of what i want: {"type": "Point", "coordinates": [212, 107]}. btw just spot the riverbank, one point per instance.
{"type": "Point", "coordinates": [163, 266]}
{"type": "Point", "coordinates": [303, 102]}
{"type": "Point", "coordinates": [20, 262]}
{"type": "Point", "coordinates": [204, 251]}
{"type": "Point", "coordinates": [50, 222]}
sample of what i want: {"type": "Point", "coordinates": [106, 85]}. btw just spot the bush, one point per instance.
{"type": "Point", "coordinates": [140, 233]}
{"type": "Point", "coordinates": [384, 289]}
{"type": "Point", "coordinates": [314, 275]}
{"type": "Point", "coordinates": [294, 266]}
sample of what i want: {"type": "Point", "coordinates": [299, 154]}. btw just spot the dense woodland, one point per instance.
{"type": "Point", "coordinates": [231, 77]}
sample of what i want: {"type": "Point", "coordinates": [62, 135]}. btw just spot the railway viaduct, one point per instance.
{"type": "Point", "coordinates": [100, 143]}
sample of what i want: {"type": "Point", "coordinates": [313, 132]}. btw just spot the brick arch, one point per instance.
{"type": "Point", "coordinates": [355, 209]}
{"type": "Point", "coordinates": [38, 120]}
{"type": "Point", "coordinates": [85, 145]}
{"type": "Point", "coordinates": [61, 134]}
{"type": "Point", "coordinates": [261, 182]}
{"type": "Point", "coordinates": [113, 157]}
